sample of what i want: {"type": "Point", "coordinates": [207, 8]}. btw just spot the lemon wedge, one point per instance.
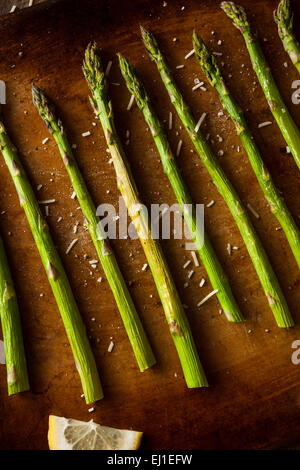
{"type": "Point", "coordinates": [71, 434]}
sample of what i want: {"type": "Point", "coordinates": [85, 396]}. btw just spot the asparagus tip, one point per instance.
{"type": "Point", "coordinates": [132, 80]}
{"type": "Point", "coordinates": [149, 41]}
{"type": "Point", "coordinates": [236, 13]}
{"type": "Point", "coordinates": [144, 31]}
{"type": "Point", "coordinates": [207, 61]}
{"type": "Point", "coordinates": [92, 67]}
{"type": "Point", "coordinates": [283, 16]}
{"type": "Point", "coordinates": [44, 106]}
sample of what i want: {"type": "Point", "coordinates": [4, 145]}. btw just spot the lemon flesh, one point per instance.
{"type": "Point", "coordinates": [71, 434]}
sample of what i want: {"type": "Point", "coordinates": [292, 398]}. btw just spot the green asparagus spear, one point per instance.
{"type": "Point", "coordinates": [279, 110]}
{"type": "Point", "coordinates": [57, 277]}
{"type": "Point", "coordinates": [256, 251]}
{"type": "Point", "coordinates": [131, 320]}
{"type": "Point", "coordinates": [17, 376]}
{"type": "Point", "coordinates": [284, 18]}
{"type": "Point", "coordinates": [277, 204]}
{"type": "Point", "coordinates": [177, 321]}
{"type": "Point", "coordinates": [212, 265]}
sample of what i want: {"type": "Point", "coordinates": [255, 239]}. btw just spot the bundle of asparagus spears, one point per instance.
{"type": "Point", "coordinates": [176, 317]}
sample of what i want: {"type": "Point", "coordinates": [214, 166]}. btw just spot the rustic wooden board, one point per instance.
{"type": "Point", "coordinates": [253, 400]}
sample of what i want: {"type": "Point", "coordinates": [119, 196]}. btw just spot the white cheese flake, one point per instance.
{"type": "Point", "coordinates": [198, 85]}
{"type": "Point", "coordinates": [251, 209]}
{"type": "Point", "coordinates": [189, 54]}
{"type": "Point", "coordinates": [47, 201]}
{"type": "Point", "coordinates": [211, 203]}
{"type": "Point", "coordinates": [170, 121]}
{"type": "Point", "coordinates": [207, 297]}
{"type": "Point", "coordinates": [195, 259]}
{"type": "Point", "coordinates": [200, 121]}
{"type": "Point", "coordinates": [186, 264]}
{"type": "Point", "coordinates": [264, 124]}
{"type": "Point", "coordinates": [108, 67]}
{"type": "Point", "coordinates": [178, 148]}
{"type": "Point", "coordinates": [73, 242]}
{"type": "Point", "coordinates": [130, 104]}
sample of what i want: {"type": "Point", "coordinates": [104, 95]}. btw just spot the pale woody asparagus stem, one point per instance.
{"type": "Point", "coordinates": [277, 204]}
{"type": "Point", "coordinates": [284, 18]}
{"type": "Point", "coordinates": [256, 251]}
{"type": "Point", "coordinates": [16, 367]}
{"type": "Point", "coordinates": [211, 263]}
{"type": "Point", "coordinates": [175, 315]}
{"type": "Point", "coordinates": [57, 277]}
{"type": "Point", "coordinates": [131, 320]}
{"type": "Point", "coordinates": [279, 110]}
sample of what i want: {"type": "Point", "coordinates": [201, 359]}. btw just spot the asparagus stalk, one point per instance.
{"type": "Point", "coordinates": [131, 320]}
{"type": "Point", "coordinates": [279, 110]}
{"type": "Point", "coordinates": [209, 258]}
{"type": "Point", "coordinates": [17, 376]}
{"type": "Point", "coordinates": [277, 204]}
{"type": "Point", "coordinates": [57, 277]}
{"type": "Point", "coordinates": [284, 19]}
{"type": "Point", "coordinates": [177, 321]}
{"type": "Point", "coordinates": [256, 251]}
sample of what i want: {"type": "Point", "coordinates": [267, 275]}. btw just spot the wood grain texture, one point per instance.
{"type": "Point", "coordinates": [253, 400]}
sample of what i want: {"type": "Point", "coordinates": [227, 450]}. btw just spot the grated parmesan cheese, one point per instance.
{"type": "Point", "coordinates": [108, 68]}
{"type": "Point", "coordinates": [71, 245]}
{"type": "Point", "coordinates": [190, 54]}
{"type": "Point", "coordinates": [131, 101]}
{"type": "Point", "coordinates": [195, 259]}
{"type": "Point", "coordinates": [170, 121]}
{"type": "Point", "coordinates": [264, 124]}
{"type": "Point", "coordinates": [200, 121]}
{"type": "Point", "coordinates": [186, 264]}
{"type": "Point", "coordinates": [253, 211]}
{"type": "Point", "coordinates": [178, 148]}
{"type": "Point", "coordinates": [207, 297]}
{"type": "Point", "coordinates": [211, 203]}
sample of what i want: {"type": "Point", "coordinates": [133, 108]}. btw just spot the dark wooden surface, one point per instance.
{"type": "Point", "coordinates": [253, 400]}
